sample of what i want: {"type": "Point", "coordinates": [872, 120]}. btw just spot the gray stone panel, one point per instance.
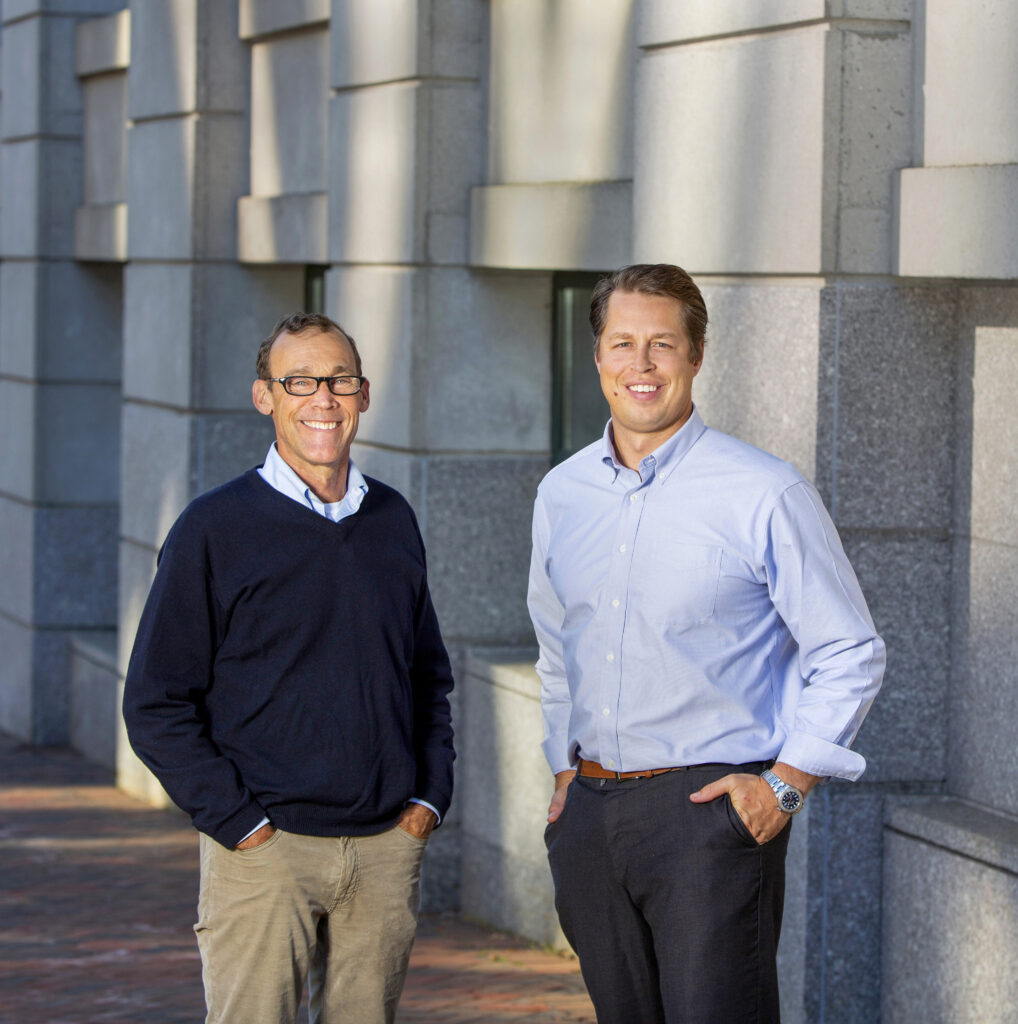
{"type": "Point", "coordinates": [100, 233]}
{"type": "Point", "coordinates": [73, 311]}
{"type": "Point", "coordinates": [40, 186]}
{"type": "Point", "coordinates": [264, 17]}
{"type": "Point", "coordinates": [16, 9]}
{"type": "Point", "coordinates": [16, 691]}
{"type": "Point", "coordinates": [17, 420]}
{"type": "Point", "coordinates": [137, 570]}
{"type": "Point", "coordinates": [886, 397]}
{"type": "Point", "coordinates": [21, 78]}
{"type": "Point", "coordinates": [77, 427]}
{"type": "Point", "coordinates": [283, 229]}
{"type": "Point", "coordinates": [75, 567]}
{"type": "Point", "coordinates": [844, 945]}
{"type": "Point", "coordinates": [93, 708]}
{"type": "Point", "coordinates": [759, 376]}
{"type": "Point", "coordinates": [476, 523]}
{"type": "Point", "coordinates": [402, 470]}
{"type": "Point", "coordinates": [907, 583]}
{"type": "Point", "coordinates": [440, 871]}
{"type": "Point", "coordinates": [744, 168]}
{"type": "Point", "coordinates": [105, 138]}
{"type": "Point", "coordinates": [227, 445]}
{"type": "Point", "coordinates": [164, 39]}
{"type": "Point", "coordinates": [984, 760]}
{"type": "Point", "coordinates": [949, 951]}
{"type": "Point", "coordinates": [157, 332]}
{"type": "Point", "coordinates": [17, 547]}
{"type": "Point", "coordinates": [289, 114]}
{"type": "Point", "coordinates": [103, 44]}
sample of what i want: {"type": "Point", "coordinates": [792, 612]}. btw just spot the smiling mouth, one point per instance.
{"type": "Point", "coordinates": [643, 389]}
{"type": "Point", "coordinates": [320, 424]}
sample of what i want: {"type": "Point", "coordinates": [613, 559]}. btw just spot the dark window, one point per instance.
{"type": "Point", "coordinates": [314, 289]}
{"type": "Point", "coordinates": [579, 411]}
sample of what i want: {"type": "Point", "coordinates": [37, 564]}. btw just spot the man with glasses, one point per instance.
{"type": "Point", "coordinates": [706, 657]}
{"type": "Point", "coordinates": [289, 688]}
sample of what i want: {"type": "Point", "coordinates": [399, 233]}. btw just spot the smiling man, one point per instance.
{"type": "Point", "coordinates": [706, 658]}
{"type": "Point", "coordinates": [289, 688]}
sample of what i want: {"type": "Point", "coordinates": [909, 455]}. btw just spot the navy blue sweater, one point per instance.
{"type": "Point", "coordinates": [292, 666]}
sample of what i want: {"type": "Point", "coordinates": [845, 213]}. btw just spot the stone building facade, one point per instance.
{"type": "Point", "coordinates": [444, 177]}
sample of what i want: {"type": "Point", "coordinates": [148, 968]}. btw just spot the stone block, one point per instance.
{"type": "Point", "coordinates": [21, 78]}
{"type": "Point", "coordinates": [77, 427]}
{"type": "Point", "coordinates": [955, 44]}
{"type": "Point", "coordinates": [907, 583]}
{"type": "Point", "coordinates": [137, 569]}
{"type": "Point", "coordinates": [103, 44]}
{"type": "Point", "coordinates": [75, 566]}
{"type": "Point", "coordinates": [758, 103]}
{"type": "Point", "coordinates": [105, 131]}
{"type": "Point", "coordinates": [93, 709]}
{"type": "Point", "coordinates": [265, 17]}
{"type": "Point", "coordinates": [440, 871]}
{"type": "Point", "coordinates": [973, 207]}
{"type": "Point", "coordinates": [845, 864]}
{"type": "Point", "coordinates": [158, 348]}
{"type": "Point", "coordinates": [16, 692]}
{"type": "Point", "coordinates": [17, 419]}
{"type": "Point", "coordinates": [14, 10]}
{"type": "Point", "coordinates": [184, 177]}
{"type": "Point", "coordinates": [186, 57]}
{"type": "Point", "coordinates": [476, 524]}
{"type": "Point", "coordinates": [875, 142]}
{"type": "Point", "coordinates": [226, 445]}
{"type": "Point", "coordinates": [553, 226]}
{"type": "Point", "coordinates": [60, 321]}
{"type": "Point", "coordinates": [289, 114]}
{"type": "Point", "coordinates": [661, 21]}
{"type": "Point", "coordinates": [40, 186]}
{"type": "Point", "coordinates": [504, 791]}
{"type": "Point", "coordinates": [283, 229]}
{"type": "Point", "coordinates": [100, 233]}
{"type": "Point", "coordinates": [884, 447]}
{"type": "Point", "coordinates": [950, 903]}
{"type": "Point", "coordinates": [402, 470]}
{"type": "Point", "coordinates": [983, 765]}
{"type": "Point", "coordinates": [994, 428]}
{"type": "Point", "coordinates": [555, 114]}
{"type": "Point", "coordinates": [485, 363]}
{"type": "Point", "coordinates": [759, 377]}
{"type": "Point", "coordinates": [17, 550]}
{"type": "Point", "coordinates": [156, 472]}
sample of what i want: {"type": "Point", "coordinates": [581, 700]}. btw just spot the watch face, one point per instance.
{"type": "Point", "coordinates": [789, 801]}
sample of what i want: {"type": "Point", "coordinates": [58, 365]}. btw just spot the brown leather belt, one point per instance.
{"type": "Point", "coordinates": [592, 770]}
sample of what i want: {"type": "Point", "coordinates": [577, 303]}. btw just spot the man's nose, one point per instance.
{"type": "Point", "coordinates": [642, 357]}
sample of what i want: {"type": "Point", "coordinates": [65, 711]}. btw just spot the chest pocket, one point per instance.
{"type": "Point", "coordinates": [676, 583]}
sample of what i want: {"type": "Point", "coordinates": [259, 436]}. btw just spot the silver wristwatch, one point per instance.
{"type": "Point", "coordinates": [790, 799]}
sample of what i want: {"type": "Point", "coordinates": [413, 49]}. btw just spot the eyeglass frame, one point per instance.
{"type": "Point", "coordinates": [318, 383]}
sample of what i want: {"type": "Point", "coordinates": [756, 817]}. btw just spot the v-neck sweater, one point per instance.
{"type": "Point", "coordinates": [289, 666]}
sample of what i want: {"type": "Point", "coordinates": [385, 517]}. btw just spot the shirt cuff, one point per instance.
{"type": "Point", "coordinates": [261, 824]}
{"type": "Point", "coordinates": [424, 803]}
{"type": "Point", "coordinates": [821, 757]}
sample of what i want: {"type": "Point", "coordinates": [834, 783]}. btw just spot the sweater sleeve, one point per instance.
{"type": "Point", "coordinates": [168, 677]}
{"type": "Point", "coordinates": [432, 681]}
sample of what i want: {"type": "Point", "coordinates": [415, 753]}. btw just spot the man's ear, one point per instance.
{"type": "Point", "coordinates": [261, 397]}
{"type": "Point", "coordinates": [365, 393]}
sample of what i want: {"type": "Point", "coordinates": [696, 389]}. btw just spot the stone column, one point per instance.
{"type": "Point", "coordinates": [192, 316]}
{"type": "Point", "coordinates": [59, 379]}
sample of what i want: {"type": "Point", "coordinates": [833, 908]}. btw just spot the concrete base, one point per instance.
{"type": "Point", "coordinates": [94, 710]}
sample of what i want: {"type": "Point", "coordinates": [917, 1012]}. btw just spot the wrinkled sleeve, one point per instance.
{"type": "Point", "coordinates": [841, 657]}
{"type": "Point", "coordinates": [168, 676]}
{"type": "Point", "coordinates": [547, 615]}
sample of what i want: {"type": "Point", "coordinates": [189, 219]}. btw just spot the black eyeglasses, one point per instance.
{"type": "Point", "coordinates": [302, 387]}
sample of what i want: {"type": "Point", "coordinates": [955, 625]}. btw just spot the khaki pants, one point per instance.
{"type": "Point", "coordinates": [337, 912]}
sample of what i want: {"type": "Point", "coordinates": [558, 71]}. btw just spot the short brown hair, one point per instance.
{"type": "Point", "coordinates": [298, 323]}
{"type": "Point", "coordinates": [653, 279]}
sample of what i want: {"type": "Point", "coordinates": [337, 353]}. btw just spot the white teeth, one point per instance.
{"type": "Point", "coordinates": [643, 388]}
{"type": "Point", "coordinates": [320, 424]}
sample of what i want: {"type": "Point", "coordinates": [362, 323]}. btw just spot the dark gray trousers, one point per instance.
{"type": "Point", "coordinates": [672, 907]}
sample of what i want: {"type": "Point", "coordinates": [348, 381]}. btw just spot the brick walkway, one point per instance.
{"type": "Point", "coordinates": [97, 897]}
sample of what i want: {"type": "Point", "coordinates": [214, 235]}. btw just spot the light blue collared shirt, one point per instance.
{"type": "Point", "coordinates": [699, 610]}
{"type": "Point", "coordinates": [277, 472]}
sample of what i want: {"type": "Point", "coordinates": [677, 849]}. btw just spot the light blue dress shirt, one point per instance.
{"type": "Point", "coordinates": [280, 475]}
{"type": "Point", "coordinates": [699, 610]}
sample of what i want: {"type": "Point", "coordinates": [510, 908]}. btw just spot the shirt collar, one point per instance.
{"type": "Point", "coordinates": [663, 460]}
{"type": "Point", "coordinates": [282, 476]}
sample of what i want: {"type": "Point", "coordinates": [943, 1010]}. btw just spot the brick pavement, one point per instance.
{"type": "Point", "coordinates": [97, 897]}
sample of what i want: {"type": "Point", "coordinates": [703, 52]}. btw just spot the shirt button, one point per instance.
{"type": "Point", "coordinates": [632, 498]}
{"type": "Point", "coordinates": [606, 712]}
{"type": "Point", "coordinates": [609, 763]}
{"type": "Point", "coordinates": [615, 602]}
{"type": "Point", "coordinates": [622, 548]}
{"type": "Point", "coordinates": [611, 657]}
